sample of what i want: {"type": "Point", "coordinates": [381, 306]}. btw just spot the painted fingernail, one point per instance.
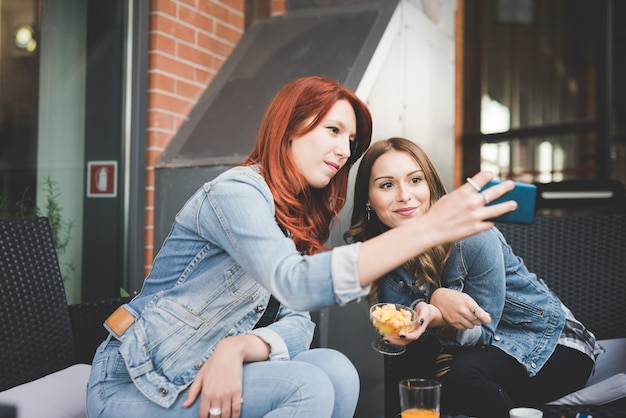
{"type": "Point", "coordinates": [421, 321]}
{"type": "Point", "coordinates": [402, 336]}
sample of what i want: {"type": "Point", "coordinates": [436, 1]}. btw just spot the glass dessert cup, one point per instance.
{"type": "Point", "coordinates": [391, 319]}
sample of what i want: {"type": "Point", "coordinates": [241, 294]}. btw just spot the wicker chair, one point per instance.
{"type": "Point", "coordinates": [583, 259]}
{"type": "Point", "coordinates": [41, 335]}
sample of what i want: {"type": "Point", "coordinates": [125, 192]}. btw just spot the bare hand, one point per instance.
{"type": "Point", "coordinates": [426, 314]}
{"type": "Point", "coordinates": [459, 309]}
{"type": "Point", "coordinates": [219, 383]}
{"type": "Point", "coordinates": [464, 211]}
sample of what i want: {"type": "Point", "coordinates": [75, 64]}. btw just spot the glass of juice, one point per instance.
{"type": "Point", "coordinates": [419, 398]}
{"type": "Point", "coordinates": [391, 319]}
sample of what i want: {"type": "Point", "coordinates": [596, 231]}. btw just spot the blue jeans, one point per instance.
{"type": "Point", "coordinates": [316, 383]}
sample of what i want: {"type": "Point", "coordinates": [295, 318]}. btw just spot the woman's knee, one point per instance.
{"type": "Point", "coordinates": [287, 388]}
{"type": "Point", "coordinates": [333, 363]}
{"type": "Point", "coordinates": [311, 374]}
{"type": "Point", "coordinates": [449, 366]}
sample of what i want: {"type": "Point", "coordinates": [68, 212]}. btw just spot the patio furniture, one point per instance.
{"type": "Point", "coordinates": [46, 346]}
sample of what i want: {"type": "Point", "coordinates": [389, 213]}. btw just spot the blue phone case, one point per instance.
{"type": "Point", "coordinates": [525, 195]}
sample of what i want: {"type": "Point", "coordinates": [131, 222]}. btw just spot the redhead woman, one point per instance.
{"type": "Point", "coordinates": [220, 327]}
{"type": "Point", "coordinates": [492, 332]}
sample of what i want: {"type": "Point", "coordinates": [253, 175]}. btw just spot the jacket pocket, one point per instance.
{"type": "Point", "coordinates": [520, 312]}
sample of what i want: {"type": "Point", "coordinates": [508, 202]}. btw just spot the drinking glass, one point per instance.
{"type": "Point", "coordinates": [391, 319]}
{"type": "Point", "coordinates": [419, 398]}
{"type": "Point", "coordinates": [525, 413]}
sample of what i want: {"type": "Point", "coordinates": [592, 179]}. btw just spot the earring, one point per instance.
{"type": "Point", "coordinates": [368, 209]}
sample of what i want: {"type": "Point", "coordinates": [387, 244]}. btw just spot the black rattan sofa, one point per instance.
{"type": "Point", "coordinates": [40, 335]}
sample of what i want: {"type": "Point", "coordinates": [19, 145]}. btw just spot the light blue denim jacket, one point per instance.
{"type": "Point", "coordinates": [485, 267]}
{"type": "Point", "coordinates": [213, 277]}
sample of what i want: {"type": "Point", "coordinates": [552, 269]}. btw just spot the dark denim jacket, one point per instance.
{"type": "Point", "coordinates": [485, 267]}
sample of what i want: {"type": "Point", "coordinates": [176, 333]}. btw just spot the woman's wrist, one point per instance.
{"type": "Point", "coordinates": [433, 297]}
{"type": "Point", "coordinates": [249, 347]}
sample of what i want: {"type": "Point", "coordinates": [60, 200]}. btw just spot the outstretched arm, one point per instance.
{"type": "Point", "coordinates": [455, 216]}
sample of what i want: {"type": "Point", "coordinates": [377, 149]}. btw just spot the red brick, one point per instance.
{"type": "Point", "coordinates": [149, 214]}
{"type": "Point", "coordinates": [163, 6]}
{"type": "Point", "coordinates": [152, 157]}
{"type": "Point", "coordinates": [195, 19]}
{"type": "Point", "coordinates": [160, 81]}
{"type": "Point", "coordinates": [159, 139]}
{"type": "Point", "coordinates": [222, 13]}
{"type": "Point", "coordinates": [171, 26]}
{"type": "Point", "coordinates": [235, 4]}
{"type": "Point", "coordinates": [170, 65]}
{"type": "Point", "coordinates": [194, 55]}
{"type": "Point", "coordinates": [162, 42]}
{"type": "Point", "coordinates": [278, 7]}
{"type": "Point", "coordinates": [191, 90]}
{"type": "Point", "coordinates": [215, 45]}
{"type": "Point", "coordinates": [149, 193]}
{"type": "Point", "coordinates": [161, 120]}
{"type": "Point", "coordinates": [170, 103]}
{"type": "Point", "coordinates": [160, 23]}
{"type": "Point", "coordinates": [227, 33]}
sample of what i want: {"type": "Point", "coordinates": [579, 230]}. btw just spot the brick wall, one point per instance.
{"type": "Point", "coordinates": [189, 42]}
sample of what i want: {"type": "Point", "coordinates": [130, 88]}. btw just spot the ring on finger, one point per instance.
{"type": "Point", "coordinates": [215, 412]}
{"type": "Point", "coordinates": [475, 309]}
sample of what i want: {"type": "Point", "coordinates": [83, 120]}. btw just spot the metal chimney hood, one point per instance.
{"type": "Point", "coordinates": [337, 42]}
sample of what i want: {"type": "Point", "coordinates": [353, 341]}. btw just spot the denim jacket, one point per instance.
{"type": "Point", "coordinates": [213, 277]}
{"type": "Point", "coordinates": [485, 267]}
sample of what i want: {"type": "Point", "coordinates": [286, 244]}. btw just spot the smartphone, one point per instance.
{"type": "Point", "coordinates": [525, 195]}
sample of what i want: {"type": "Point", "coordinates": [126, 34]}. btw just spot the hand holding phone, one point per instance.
{"type": "Point", "coordinates": [525, 195]}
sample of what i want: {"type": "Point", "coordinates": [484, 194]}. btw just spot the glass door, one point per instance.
{"type": "Point", "coordinates": [62, 132]}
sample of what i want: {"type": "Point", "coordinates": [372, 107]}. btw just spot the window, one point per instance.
{"type": "Point", "coordinates": [537, 87]}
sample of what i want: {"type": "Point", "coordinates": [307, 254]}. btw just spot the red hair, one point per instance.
{"type": "Point", "coordinates": [307, 214]}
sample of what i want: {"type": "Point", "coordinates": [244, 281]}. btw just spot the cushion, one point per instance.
{"type": "Point", "coordinates": [611, 361]}
{"type": "Point", "coordinates": [605, 391]}
{"type": "Point", "coordinates": [608, 381]}
{"type": "Point", "coordinates": [58, 395]}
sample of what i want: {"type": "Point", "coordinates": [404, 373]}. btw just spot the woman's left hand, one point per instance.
{"type": "Point", "coordinates": [219, 381]}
